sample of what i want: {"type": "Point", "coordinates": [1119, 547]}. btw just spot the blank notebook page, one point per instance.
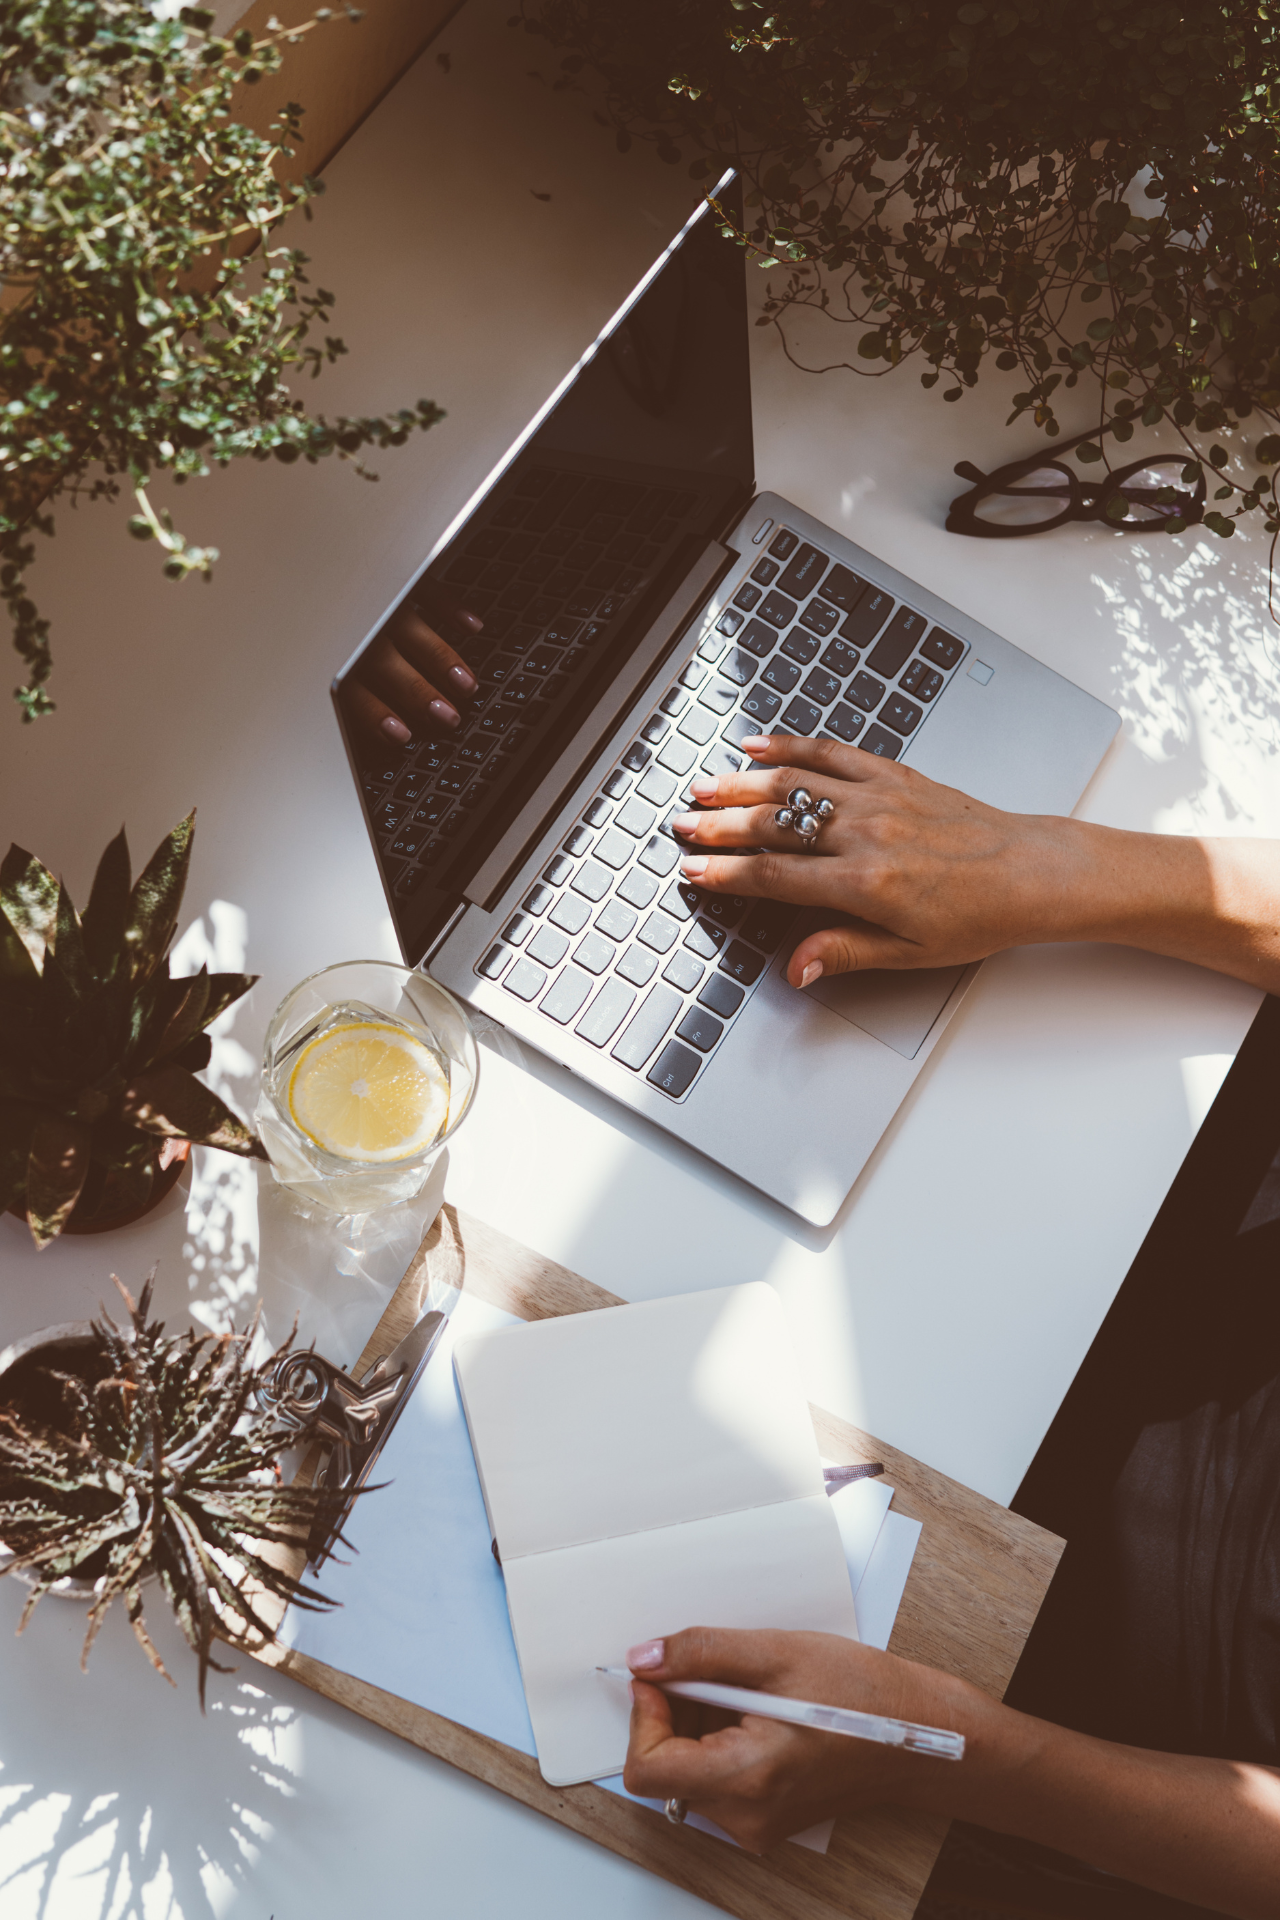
{"type": "Point", "coordinates": [646, 1468]}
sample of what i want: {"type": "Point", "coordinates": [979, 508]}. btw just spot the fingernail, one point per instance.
{"type": "Point", "coordinates": [473, 621]}
{"type": "Point", "coordinates": [703, 788]}
{"type": "Point", "coordinates": [646, 1656]}
{"type": "Point", "coordinates": [811, 973]}
{"type": "Point", "coordinates": [442, 711]}
{"type": "Point", "coordinates": [464, 678]}
{"type": "Point", "coordinates": [756, 742]}
{"type": "Point", "coordinates": [396, 730]}
{"type": "Point", "coordinates": [686, 822]}
{"type": "Point", "coordinates": [693, 869]}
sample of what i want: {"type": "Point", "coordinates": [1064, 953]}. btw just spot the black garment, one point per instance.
{"type": "Point", "coordinates": [1162, 1472]}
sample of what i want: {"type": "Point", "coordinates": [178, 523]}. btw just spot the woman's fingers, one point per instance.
{"type": "Point", "coordinates": [857, 948]}
{"type": "Point", "coordinates": [802, 879]}
{"type": "Point", "coordinates": [732, 827]}
{"type": "Point", "coordinates": [827, 757]}
{"type": "Point", "coordinates": [372, 717]}
{"type": "Point", "coordinates": [431, 656]}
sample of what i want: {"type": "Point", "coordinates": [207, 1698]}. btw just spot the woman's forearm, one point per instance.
{"type": "Point", "coordinates": [1204, 1831]}
{"type": "Point", "coordinates": [1214, 902]}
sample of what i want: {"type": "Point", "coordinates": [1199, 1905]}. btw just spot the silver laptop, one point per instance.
{"type": "Point", "coordinates": [644, 609]}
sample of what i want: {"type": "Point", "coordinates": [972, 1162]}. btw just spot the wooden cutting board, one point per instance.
{"type": "Point", "coordinates": [975, 1587]}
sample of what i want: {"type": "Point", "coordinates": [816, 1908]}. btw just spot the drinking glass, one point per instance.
{"type": "Point", "coordinates": [403, 1011]}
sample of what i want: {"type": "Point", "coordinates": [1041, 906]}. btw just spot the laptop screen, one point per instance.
{"type": "Point", "coordinates": [579, 542]}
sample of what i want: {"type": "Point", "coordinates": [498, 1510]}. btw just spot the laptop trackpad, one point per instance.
{"type": "Point", "coordinates": [898, 1008]}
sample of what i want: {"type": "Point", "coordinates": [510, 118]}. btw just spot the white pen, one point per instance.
{"type": "Point", "coordinates": [938, 1741]}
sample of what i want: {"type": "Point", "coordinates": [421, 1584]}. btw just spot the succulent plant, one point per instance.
{"type": "Point", "coordinates": [99, 1044]}
{"type": "Point", "coordinates": [152, 1459]}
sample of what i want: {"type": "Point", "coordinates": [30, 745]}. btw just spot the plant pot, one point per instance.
{"type": "Point", "coordinates": [104, 1209]}
{"type": "Point", "coordinates": [72, 1347]}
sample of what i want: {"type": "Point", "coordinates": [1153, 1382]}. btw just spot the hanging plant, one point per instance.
{"type": "Point", "coordinates": [148, 324]}
{"type": "Point", "coordinates": [1087, 194]}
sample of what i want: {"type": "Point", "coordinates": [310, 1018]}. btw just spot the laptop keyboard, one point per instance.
{"type": "Point", "coordinates": [611, 943]}
{"type": "Point", "coordinates": [550, 572]}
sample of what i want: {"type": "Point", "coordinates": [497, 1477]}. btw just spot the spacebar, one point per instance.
{"type": "Point", "coordinates": [647, 1028]}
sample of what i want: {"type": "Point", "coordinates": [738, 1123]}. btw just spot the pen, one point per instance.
{"type": "Point", "coordinates": [938, 1741]}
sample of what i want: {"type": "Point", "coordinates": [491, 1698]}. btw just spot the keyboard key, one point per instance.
{"type": "Point", "coordinates": [840, 658]}
{"type": "Point", "coordinates": [493, 963]}
{"type": "Point", "coordinates": [879, 740]}
{"type": "Point", "coordinates": [783, 544]}
{"type": "Point", "coordinates": [681, 900]}
{"type": "Point", "coordinates": [738, 667]}
{"type": "Point", "coordinates": [729, 621]}
{"type": "Point", "coordinates": [897, 643]}
{"type": "Point", "coordinates": [570, 915]}
{"type": "Point", "coordinates": [942, 648]}
{"type": "Point", "coordinates": [656, 787]}
{"type": "Point", "coordinates": [806, 569]}
{"type": "Point", "coordinates": [683, 971]}
{"type": "Point", "coordinates": [660, 855]}
{"type": "Point", "coordinates": [678, 756]}
{"type": "Point", "coordinates": [597, 814]}
{"type": "Point", "coordinates": [595, 953]}
{"type": "Point", "coordinates": [637, 965]}
{"type": "Point", "coordinates": [801, 646]}
{"type": "Point", "coordinates": [659, 933]}
{"type": "Point", "coordinates": [674, 1070]}
{"type": "Point", "coordinates": [711, 648]}
{"type": "Point", "coordinates": [844, 588]}
{"type": "Point", "coordinates": [705, 939]}
{"type": "Point", "coordinates": [637, 758]}
{"type": "Point", "coordinates": [719, 697]}
{"type": "Point", "coordinates": [722, 996]}
{"type": "Point", "coordinates": [766, 924]}
{"type": "Point", "coordinates": [518, 929]}
{"type": "Point", "coordinates": [726, 909]}
{"type": "Point", "coordinates": [781, 674]}
{"type": "Point", "coordinates": [860, 627]}
{"type": "Point", "coordinates": [565, 999]}
{"type": "Point", "coordinates": [742, 963]}
{"type": "Point", "coordinates": [761, 705]}
{"type": "Point", "coordinates": [765, 571]}
{"type": "Point", "coordinates": [746, 596]}
{"type": "Point", "coordinates": [693, 675]}
{"type": "Point", "coordinates": [902, 715]}
{"type": "Point", "coordinates": [758, 639]}
{"type": "Point", "coordinates": [844, 723]}
{"type": "Point", "coordinates": [723, 760]}
{"type": "Point", "coordinates": [921, 680]}
{"type": "Point", "coordinates": [654, 728]}
{"type": "Point", "coordinates": [616, 785]}
{"type": "Point", "coordinates": [606, 1013]}
{"type": "Point", "coordinates": [646, 1028]}
{"type": "Point", "coordinates": [592, 881]}
{"type": "Point", "coordinates": [865, 691]}
{"type": "Point", "coordinates": [634, 818]}
{"type": "Point", "coordinates": [698, 725]}
{"type": "Point", "coordinates": [820, 687]}
{"type": "Point", "coordinates": [559, 870]}
{"type": "Point", "coordinates": [638, 888]}
{"type": "Point", "coordinates": [777, 609]}
{"type": "Point", "coordinates": [525, 980]}
{"type": "Point", "coordinates": [800, 717]}
{"type": "Point", "coordinates": [674, 702]}
{"type": "Point", "coordinates": [548, 946]}
{"type": "Point", "coordinates": [616, 920]}
{"type": "Point", "coordinates": [819, 617]}
{"type": "Point", "coordinates": [700, 1028]}
{"type": "Point", "coordinates": [578, 842]}
{"type": "Point", "coordinates": [538, 900]}
{"type": "Point", "coordinates": [614, 848]}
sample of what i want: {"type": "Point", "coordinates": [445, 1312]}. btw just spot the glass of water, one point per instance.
{"type": "Point", "coordinates": [369, 1069]}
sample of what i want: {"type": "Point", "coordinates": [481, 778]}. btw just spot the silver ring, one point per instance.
{"type": "Point", "coordinates": [804, 815]}
{"type": "Point", "coordinates": [675, 1811]}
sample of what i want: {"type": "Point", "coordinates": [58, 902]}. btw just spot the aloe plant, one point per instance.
{"type": "Point", "coordinates": [99, 1044]}
{"type": "Point", "coordinates": [156, 1462]}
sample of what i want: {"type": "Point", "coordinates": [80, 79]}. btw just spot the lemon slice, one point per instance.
{"type": "Point", "coordinates": [369, 1092]}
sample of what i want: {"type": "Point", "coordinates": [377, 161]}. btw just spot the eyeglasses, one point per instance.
{"type": "Point", "coordinates": [1035, 494]}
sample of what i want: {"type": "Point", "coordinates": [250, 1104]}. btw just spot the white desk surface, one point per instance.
{"type": "Point", "coordinates": [950, 1305]}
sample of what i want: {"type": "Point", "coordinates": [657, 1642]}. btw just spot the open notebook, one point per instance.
{"type": "Point", "coordinates": [645, 1468]}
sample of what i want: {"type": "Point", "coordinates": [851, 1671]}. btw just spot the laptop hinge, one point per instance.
{"type": "Point", "coordinates": [695, 588]}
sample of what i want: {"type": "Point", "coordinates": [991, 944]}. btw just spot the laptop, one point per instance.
{"type": "Point", "coordinates": [645, 607]}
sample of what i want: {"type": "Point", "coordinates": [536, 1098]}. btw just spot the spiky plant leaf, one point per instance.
{"type": "Point", "coordinates": [161, 1466]}
{"type": "Point", "coordinates": [56, 1172]}
{"type": "Point", "coordinates": [29, 897]}
{"type": "Point", "coordinates": [170, 1102]}
{"type": "Point", "coordinates": [107, 914]}
{"type": "Point", "coordinates": [157, 898]}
